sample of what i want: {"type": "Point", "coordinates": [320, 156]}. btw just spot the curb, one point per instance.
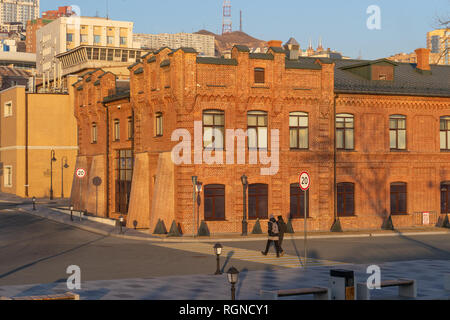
{"type": "Point", "coordinates": [187, 240]}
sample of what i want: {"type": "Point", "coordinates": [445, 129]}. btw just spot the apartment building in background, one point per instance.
{"type": "Point", "coordinates": [67, 33]}
{"type": "Point", "coordinates": [438, 41]}
{"type": "Point", "coordinates": [34, 25]}
{"type": "Point", "coordinates": [203, 44]}
{"type": "Point", "coordinates": [18, 11]}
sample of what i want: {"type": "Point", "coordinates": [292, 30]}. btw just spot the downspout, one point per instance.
{"type": "Point", "coordinates": [107, 160]}
{"type": "Point", "coordinates": [26, 146]}
{"type": "Point", "coordinates": [336, 227]}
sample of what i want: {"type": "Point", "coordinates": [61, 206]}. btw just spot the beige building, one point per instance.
{"type": "Point", "coordinates": [438, 43]}
{"type": "Point", "coordinates": [33, 125]}
{"type": "Point", "coordinates": [203, 44]}
{"type": "Point", "coordinates": [68, 33]}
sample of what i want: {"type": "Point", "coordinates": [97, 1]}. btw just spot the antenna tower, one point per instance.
{"type": "Point", "coordinates": [227, 22]}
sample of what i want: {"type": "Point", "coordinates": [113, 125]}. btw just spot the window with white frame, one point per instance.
{"type": "Point", "coordinates": [7, 182]}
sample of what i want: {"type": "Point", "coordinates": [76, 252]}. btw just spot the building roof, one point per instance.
{"type": "Point", "coordinates": [292, 41]}
{"type": "Point", "coordinates": [407, 80]}
{"type": "Point", "coordinates": [13, 72]}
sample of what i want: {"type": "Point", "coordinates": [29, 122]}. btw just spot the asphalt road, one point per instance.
{"type": "Point", "coordinates": [34, 250]}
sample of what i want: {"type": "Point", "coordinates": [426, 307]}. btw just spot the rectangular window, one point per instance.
{"type": "Point", "coordinates": [7, 182]}
{"type": "Point", "coordinates": [397, 132]}
{"type": "Point", "coordinates": [116, 130]}
{"type": "Point", "coordinates": [214, 202]}
{"type": "Point", "coordinates": [97, 39]}
{"type": "Point", "coordinates": [123, 41]}
{"type": "Point", "coordinates": [297, 202]}
{"type": "Point", "coordinates": [398, 198]}
{"type": "Point", "coordinates": [7, 109]}
{"type": "Point", "coordinates": [213, 129]}
{"type": "Point", "coordinates": [258, 201]}
{"type": "Point", "coordinates": [130, 128]}
{"type": "Point", "coordinates": [445, 133]}
{"type": "Point", "coordinates": [83, 38]}
{"type": "Point", "coordinates": [345, 199]}
{"type": "Point", "coordinates": [159, 124]}
{"type": "Point", "coordinates": [345, 132]}
{"type": "Point", "coordinates": [259, 75]}
{"type": "Point", "coordinates": [445, 197]}
{"type": "Point", "coordinates": [257, 130]}
{"type": "Point", "coordinates": [298, 127]}
{"type": "Point", "coordinates": [69, 37]}
{"type": "Point", "coordinates": [124, 175]}
{"type": "Point", "coordinates": [110, 40]}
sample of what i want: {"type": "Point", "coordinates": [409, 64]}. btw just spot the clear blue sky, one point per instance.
{"type": "Point", "coordinates": [341, 23]}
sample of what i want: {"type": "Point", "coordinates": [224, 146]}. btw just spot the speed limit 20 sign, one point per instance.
{"type": "Point", "coordinates": [81, 173]}
{"type": "Point", "coordinates": [305, 181]}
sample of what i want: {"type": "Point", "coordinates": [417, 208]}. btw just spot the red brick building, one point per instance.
{"type": "Point", "coordinates": [388, 156]}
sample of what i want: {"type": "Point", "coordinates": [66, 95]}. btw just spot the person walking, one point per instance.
{"type": "Point", "coordinates": [274, 234]}
{"type": "Point", "coordinates": [282, 230]}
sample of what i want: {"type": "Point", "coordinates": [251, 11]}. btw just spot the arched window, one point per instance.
{"type": "Point", "coordinates": [298, 202]}
{"type": "Point", "coordinates": [345, 199]}
{"type": "Point", "coordinates": [94, 133]}
{"type": "Point", "coordinates": [259, 75]}
{"type": "Point", "coordinates": [258, 201]}
{"type": "Point", "coordinates": [445, 197]}
{"type": "Point", "coordinates": [399, 198]}
{"type": "Point", "coordinates": [445, 133]}
{"type": "Point", "coordinates": [257, 129]}
{"type": "Point", "coordinates": [214, 202]}
{"type": "Point", "coordinates": [397, 132]}
{"type": "Point", "coordinates": [299, 130]}
{"type": "Point", "coordinates": [214, 129]}
{"type": "Point", "coordinates": [130, 128]}
{"type": "Point", "coordinates": [345, 126]}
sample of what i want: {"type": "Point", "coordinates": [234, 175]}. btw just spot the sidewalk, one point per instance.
{"type": "Point", "coordinates": [108, 228]}
{"type": "Point", "coordinates": [429, 275]}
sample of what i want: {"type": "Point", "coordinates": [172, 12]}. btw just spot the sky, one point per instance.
{"type": "Point", "coordinates": [342, 24]}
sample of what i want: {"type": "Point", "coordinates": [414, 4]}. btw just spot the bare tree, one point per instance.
{"type": "Point", "coordinates": [443, 22]}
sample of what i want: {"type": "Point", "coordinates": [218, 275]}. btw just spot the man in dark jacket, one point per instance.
{"type": "Point", "coordinates": [274, 234]}
{"type": "Point", "coordinates": [283, 228]}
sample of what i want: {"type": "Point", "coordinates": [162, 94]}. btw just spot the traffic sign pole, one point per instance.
{"type": "Point", "coordinates": [305, 183]}
{"type": "Point", "coordinates": [80, 173]}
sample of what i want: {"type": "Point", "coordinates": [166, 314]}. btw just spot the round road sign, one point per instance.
{"type": "Point", "coordinates": [305, 181]}
{"type": "Point", "coordinates": [81, 173]}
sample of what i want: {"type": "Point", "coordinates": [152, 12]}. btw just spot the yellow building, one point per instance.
{"type": "Point", "coordinates": [438, 41]}
{"type": "Point", "coordinates": [32, 126]}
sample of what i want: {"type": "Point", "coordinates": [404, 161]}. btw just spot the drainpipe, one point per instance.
{"type": "Point", "coordinates": [336, 227]}
{"type": "Point", "coordinates": [26, 146]}
{"type": "Point", "coordinates": [107, 160]}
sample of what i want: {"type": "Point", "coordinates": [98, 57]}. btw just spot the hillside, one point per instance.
{"type": "Point", "coordinates": [227, 41]}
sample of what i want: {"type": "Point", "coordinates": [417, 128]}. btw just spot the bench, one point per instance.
{"type": "Point", "coordinates": [406, 288]}
{"type": "Point", "coordinates": [64, 296]}
{"type": "Point", "coordinates": [319, 293]}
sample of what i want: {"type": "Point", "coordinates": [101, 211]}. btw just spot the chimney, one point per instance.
{"type": "Point", "coordinates": [423, 59]}
{"type": "Point", "coordinates": [275, 43]}
{"type": "Point", "coordinates": [294, 52]}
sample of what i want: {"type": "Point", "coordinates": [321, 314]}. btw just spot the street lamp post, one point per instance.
{"type": "Point", "coordinates": [52, 159]}
{"type": "Point", "coordinates": [34, 203]}
{"type": "Point", "coordinates": [121, 223]}
{"type": "Point", "coordinates": [233, 277]}
{"type": "Point", "coordinates": [71, 212]}
{"type": "Point", "coordinates": [244, 181]}
{"type": "Point", "coordinates": [64, 165]}
{"type": "Point", "coordinates": [218, 251]}
{"type": "Point", "coordinates": [199, 202]}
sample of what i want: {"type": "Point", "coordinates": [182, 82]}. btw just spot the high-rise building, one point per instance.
{"type": "Point", "coordinates": [438, 43]}
{"type": "Point", "coordinates": [68, 33]}
{"type": "Point", "coordinates": [203, 44]}
{"type": "Point", "coordinates": [18, 11]}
